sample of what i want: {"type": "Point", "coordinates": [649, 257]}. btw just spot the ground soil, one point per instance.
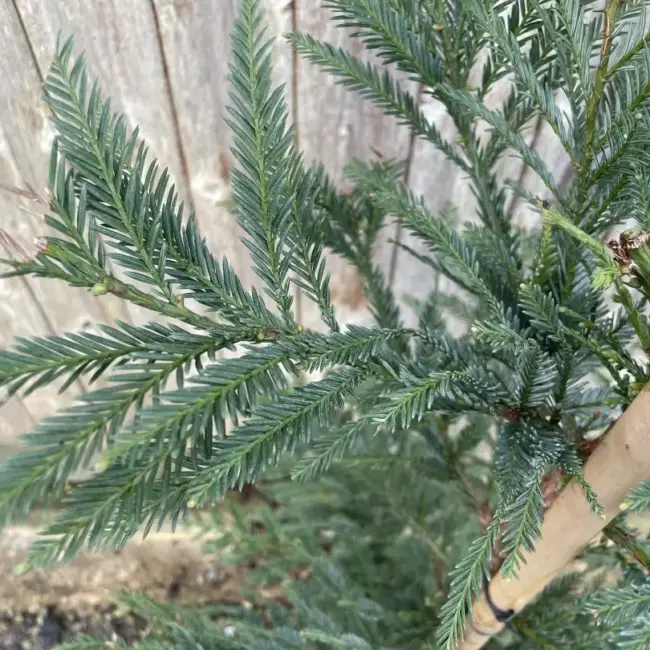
{"type": "Point", "coordinates": [40, 609]}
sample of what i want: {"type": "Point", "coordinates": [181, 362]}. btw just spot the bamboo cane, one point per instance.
{"type": "Point", "coordinates": [616, 466]}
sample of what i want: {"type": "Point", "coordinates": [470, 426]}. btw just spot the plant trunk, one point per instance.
{"type": "Point", "coordinates": [617, 465]}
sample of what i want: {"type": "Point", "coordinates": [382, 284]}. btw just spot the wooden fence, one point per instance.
{"type": "Point", "coordinates": [164, 63]}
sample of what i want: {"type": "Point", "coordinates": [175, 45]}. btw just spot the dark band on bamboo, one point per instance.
{"type": "Point", "coordinates": [501, 615]}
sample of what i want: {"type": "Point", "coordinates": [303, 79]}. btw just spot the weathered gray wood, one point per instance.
{"type": "Point", "coordinates": [26, 139]}
{"type": "Point", "coordinates": [120, 40]}
{"type": "Point", "coordinates": [195, 40]}
{"type": "Point", "coordinates": [14, 420]}
{"type": "Point", "coordinates": [165, 64]}
{"type": "Point", "coordinates": [439, 182]}
{"type": "Point", "coordinates": [548, 146]}
{"type": "Point", "coordinates": [433, 177]}
{"type": "Point", "coordinates": [335, 126]}
{"type": "Point", "coordinates": [25, 307]}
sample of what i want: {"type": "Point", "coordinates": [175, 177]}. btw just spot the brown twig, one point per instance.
{"type": "Point", "coordinates": [12, 247]}
{"type": "Point", "coordinates": [27, 193]}
{"type": "Point", "coordinates": [628, 543]}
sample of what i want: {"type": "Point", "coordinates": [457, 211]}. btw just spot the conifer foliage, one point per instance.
{"type": "Point", "coordinates": [421, 460]}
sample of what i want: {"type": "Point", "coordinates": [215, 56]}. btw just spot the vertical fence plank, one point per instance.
{"type": "Point", "coordinates": [14, 420]}
{"type": "Point", "coordinates": [335, 125]}
{"type": "Point", "coordinates": [195, 40]}
{"type": "Point", "coordinates": [548, 146]}
{"type": "Point", "coordinates": [122, 51]}
{"type": "Point", "coordinates": [120, 41]}
{"type": "Point", "coordinates": [23, 312]}
{"type": "Point", "coordinates": [165, 64]}
{"type": "Point", "coordinates": [439, 182]}
{"type": "Point", "coordinates": [26, 140]}
{"type": "Point", "coordinates": [27, 307]}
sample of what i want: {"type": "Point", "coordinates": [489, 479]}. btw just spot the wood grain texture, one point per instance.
{"type": "Point", "coordinates": [165, 64]}
{"type": "Point", "coordinates": [26, 140]}
{"type": "Point", "coordinates": [336, 125]}
{"type": "Point", "coordinates": [15, 419]}
{"type": "Point", "coordinates": [121, 46]}
{"type": "Point", "coordinates": [195, 41]}
{"type": "Point", "coordinates": [25, 307]}
{"type": "Point", "coordinates": [439, 182]}
{"type": "Point", "coordinates": [120, 41]}
{"type": "Point", "coordinates": [195, 38]}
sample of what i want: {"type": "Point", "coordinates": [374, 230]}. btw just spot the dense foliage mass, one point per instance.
{"type": "Point", "coordinates": [402, 465]}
